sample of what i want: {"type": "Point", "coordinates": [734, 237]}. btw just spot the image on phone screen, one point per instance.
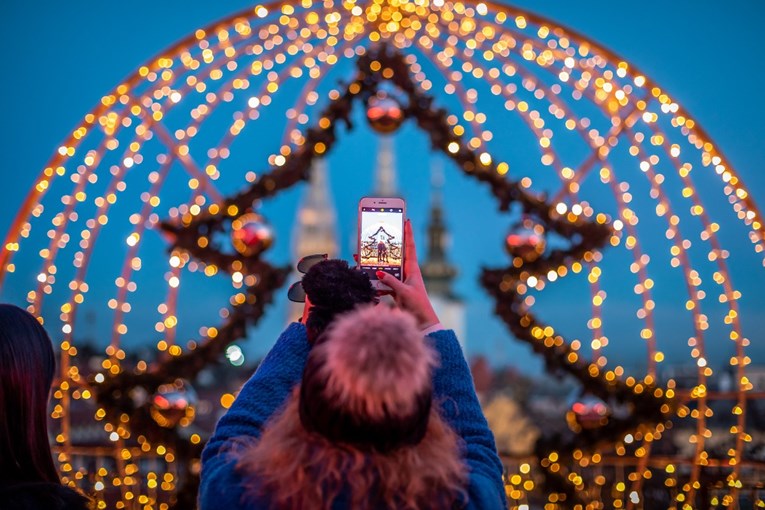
{"type": "Point", "coordinates": [381, 240]}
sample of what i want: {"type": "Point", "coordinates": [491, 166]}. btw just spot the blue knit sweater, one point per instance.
{"type": "Point", "coordinates": [268, 389]}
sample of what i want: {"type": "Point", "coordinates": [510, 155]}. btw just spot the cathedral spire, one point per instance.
{"type": "Point", "coordinates": [385, 169]}
{"type": "Point", "coordinates": [437, 272]}
{"type": "Point", "coordinates": [315, 227]}
{"type": "Point", "coordinates": [314, 230]}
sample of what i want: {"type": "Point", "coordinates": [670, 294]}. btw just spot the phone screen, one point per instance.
{"type": "Point", "coordinates": [381, 243]}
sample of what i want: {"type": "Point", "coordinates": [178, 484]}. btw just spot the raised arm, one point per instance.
{"type": "Point", "coordinates": [258, 399]}
{"type": "Point", "coordinates": [454, 391]}
{"type": "Point", "coordinates": [452, 384]}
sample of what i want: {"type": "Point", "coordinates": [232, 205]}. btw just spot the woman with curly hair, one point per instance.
{"type": "Point", "coordinates": [358, 406]}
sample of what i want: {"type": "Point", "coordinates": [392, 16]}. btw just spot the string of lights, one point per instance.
{"type": "Point", "coordinates": [118, 171]}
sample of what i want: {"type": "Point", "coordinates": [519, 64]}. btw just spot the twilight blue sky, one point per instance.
{"type": "Point", "coordinates": [60, 58]}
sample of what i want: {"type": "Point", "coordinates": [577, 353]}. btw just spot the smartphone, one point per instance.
{"type": "Point", "coordinates": [381, 237]}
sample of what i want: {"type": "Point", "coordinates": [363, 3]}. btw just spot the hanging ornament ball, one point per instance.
{"type": "Point", "coordinates": [250, 234]}
{"type": "Point", "coordinates": [384, 113]}
{"type": "Point", "coordinates": [588, 412]}
{"type": "Point", "coordinates": [526, 240]}
{"type": "Point", "coordinates": [174, 404]}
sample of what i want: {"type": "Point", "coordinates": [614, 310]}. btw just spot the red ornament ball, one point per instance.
{"type": "Point", "coordinates": [250, 234]}
{"type": "Point", "coordinates": [526, 240]}
{"type": "Point", "coordinates": [174, 404]}
{"type": "Point", "coordinates": [588, 412]}
{"type": "Point", "coordinates": [384, 113]}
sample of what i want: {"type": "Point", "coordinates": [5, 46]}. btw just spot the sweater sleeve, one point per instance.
{"type": "Point", "coordinates": [453, 389]}
{"type": "Point", "coordinates": [266, 391]}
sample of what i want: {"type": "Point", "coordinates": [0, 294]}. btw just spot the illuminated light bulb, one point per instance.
{"type": "Point", "coordinates": [235, 355]}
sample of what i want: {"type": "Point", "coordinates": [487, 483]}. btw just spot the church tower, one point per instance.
{"type": "Point", "coordinates": [315, 228]}
{"type": "Point", "coordinates": [437, 272]}
{"type": "Point", "coordinates": [385, 185]}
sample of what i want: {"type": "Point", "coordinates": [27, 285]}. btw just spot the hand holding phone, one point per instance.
{"type": "Point", "coordinates": [381, 240]}
{"type": "Point", "coordinates": [410, 294]}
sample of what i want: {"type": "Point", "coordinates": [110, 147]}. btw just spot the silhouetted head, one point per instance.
{"type": "Point", "coordinates": [368, 382]}
{"type": "Point", "coordinates": [27, 366]}
{"type": "Point", "coordinates": [333, 288]}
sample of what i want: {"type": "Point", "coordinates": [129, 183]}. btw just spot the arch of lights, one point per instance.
{"type": "Point", "coordinates": [603, 130]}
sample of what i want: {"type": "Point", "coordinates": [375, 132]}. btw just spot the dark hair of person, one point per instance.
{"type": "Point", "coordinates": [334, 288]}
{"type": "Point", "coordinates": [28, 476]}
{"type": "Point", "coordinates": [27, 366]}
